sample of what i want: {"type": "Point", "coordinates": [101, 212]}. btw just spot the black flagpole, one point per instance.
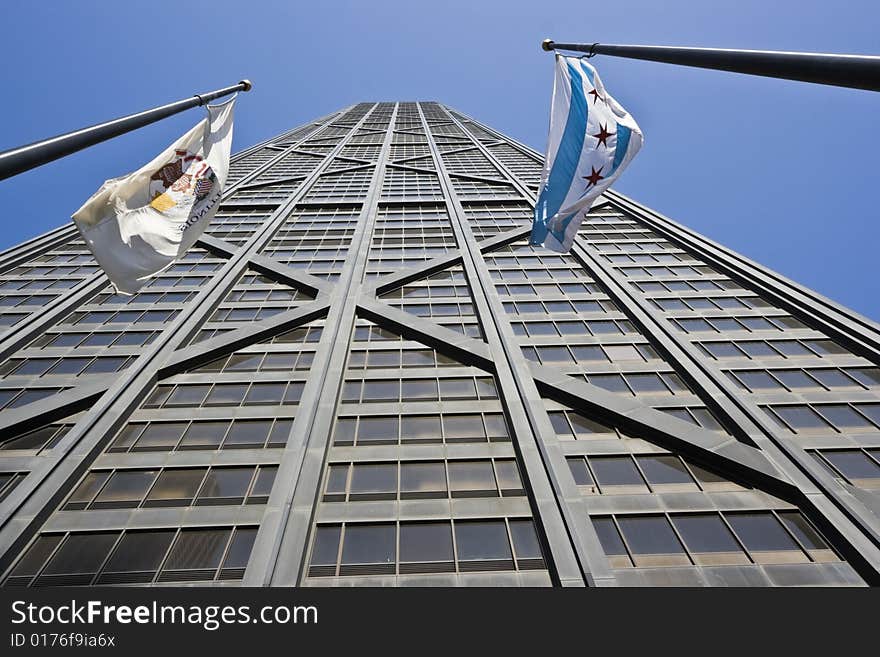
{"type": "Point", "coordinates": [18, 160]}
{"type": "Point", "coordinates": [854, 71]}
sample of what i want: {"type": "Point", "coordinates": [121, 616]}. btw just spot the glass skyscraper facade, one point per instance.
{"type": "Point", "coordinates": [362, 374]}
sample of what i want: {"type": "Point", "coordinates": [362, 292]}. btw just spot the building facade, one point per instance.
{"type": "Point", "coordinates": [362, 374]}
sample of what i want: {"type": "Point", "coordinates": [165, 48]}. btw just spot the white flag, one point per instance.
{"type": "Point", "coordinates": [137, 225]}
{"type": "Point", "coordinates": [592, 140]}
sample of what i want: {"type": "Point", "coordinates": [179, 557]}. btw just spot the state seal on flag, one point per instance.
{"type": "Point", "coordinates": [181, 185]}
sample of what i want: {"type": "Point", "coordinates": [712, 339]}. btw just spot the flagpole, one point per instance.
{"type": "Point", "coordinates": [854, 71]}
{"type": "Point", "coordinates": [24, 158]}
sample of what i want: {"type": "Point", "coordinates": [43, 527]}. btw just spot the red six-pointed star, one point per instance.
{"type": "Point", "coordinates": [595, 94]}
{"type": "Point", "coordinates": [594, 177]}
{"type": "Point", "coordinates": [603, 135]}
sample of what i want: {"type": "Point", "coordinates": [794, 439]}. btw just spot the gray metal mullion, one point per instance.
{"type": "Point", "coordinates": [282, 542]}
{"type": "Point", "coordinates": [566, 535]}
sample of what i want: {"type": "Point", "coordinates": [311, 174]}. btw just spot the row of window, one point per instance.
{"type": "Point", "coordinates": [594, 327]}
{"type": "Point", "coordinates": [122, 317]}
{"type": "Point", "coordinates": [703, 285]}
{"type": "Point", "coordinates": [127, 489]}
{"type": "Point", "coordinates": [225, 394]}
{"type": "Point", "coordinates": [43, 438]}
{"type": "Point", "coordinates": [422, 480]}
{"type": "Point", "coordinates": [561, 306]}
{"type": "Point", "coordinates": [827, 417]}
{"type": "Point", "coordinates": [461, 309]}
{"type": "Point", "coordinates": [728, 324]}
{"type": "Point", "coordinates": [425, 547]}
{"type": "Point", "coordinates": [145, 297]}
{"type": "Point", "coordinates": [72, 366]}
{"type": "Point", "coordinates": [545, 290]}
{"type": "Point", "coordinates": [860, 467]}
{"type": "Point", "coordinates": [428, 291]}
{"type": "Point", "coordinates": [620, 259]}
{"type": "Point", "coordinates": [15, 397]}
{"type": "Point", "coordinates": [712, 303]}
{"type": "Point", "coordinates": [570, 425]}
{"type": "Point", "coordinates": [652, 473]}
{"type": "Point", "coordinates": [135, 557]}
{"type": "Point", "coordinates": [806, 379]}
{"type": "Point", "coordinates": [645, 383]}
{"type": "Point", "coordinates": [443, 389]}
{"type": "Point", "coordinates": [399, 358]}
{"type": "Point", "coordinates": [710, 539]}
{"type": "Point", "coordinates": [660, 272]}
{"type": "Point", "coordinates": [420, 429]}
{"type": "Point", "coordinates": [202, 435]}
{"type": "Point", "coordinates": [247, 314]}
{"type": "Point", "coordinates": [260, 362]}
{"type": "Point", "coordinates": [615, 353]}
{"type": "Point", "coordinates": [770, 348]}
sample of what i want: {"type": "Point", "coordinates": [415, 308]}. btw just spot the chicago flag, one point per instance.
{"type": "Point", "coordinates": [592, 140]}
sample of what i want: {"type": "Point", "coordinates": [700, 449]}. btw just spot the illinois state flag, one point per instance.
{"type": "Point", "coordinates": [137, 225]}
{"type": "Point", "coordinates": [592, 140]}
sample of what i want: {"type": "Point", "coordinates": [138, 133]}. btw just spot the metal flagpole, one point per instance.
{"type": "Point", "coordinates": [18, 160]}
{"type": "Point", "coordinates": [855, 71]}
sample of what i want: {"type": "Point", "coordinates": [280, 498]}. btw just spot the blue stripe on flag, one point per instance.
{"type": "Point", "coordinates": [623, 134]}
{"type": "Point", "coordinates": [568, 156]}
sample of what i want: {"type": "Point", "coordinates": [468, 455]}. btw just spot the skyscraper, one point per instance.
{"type": "Point", "coordinates": [363, 374]}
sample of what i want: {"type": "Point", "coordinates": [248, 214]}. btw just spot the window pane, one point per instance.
{"type": "Point", "coordinates": [226, 484]}
{"type": "Point", "coordinates": [140, 551]}
{"type": "Point", "coordinates": [378, 429]}
{"type": "Point", "coordinates": [508, 475]}
{"type": "Point", "coordinates": [265, 478]}
{"type": "Point", "coordinates": [369, 544]}
{"type": "Point", "coordinates": [664, 470]}
{"type": "Point", "coordinates": [260, 393]}
{"type": "Point", "coordinates": [421, 427]}
{"type": "Point", "coordinates": [853, 464]}
{"type": "Point", "coordinates": [178, 484]}
{"type": "Point", "coordinates": [841, 415]}
{"type": "Point", "coordinates": [428, 541]}
{"type": "Point", "coordinates": [463, 427]}
{"type": "Point", "coordinates": [616, 471]}
{"type": "Point", "coordinates": [422, 478]}
{"type": "Point", "coordinates": [161, 435]}
{"type": "Point", "coordinates": [649, 535]}
{"type": "Point", "coordinates": [795, 379]}
{"type": "Point", "coordinates": [197, 548]}
{"type": "Point", "coordinates": [374, 478]}
{"type": "Point", "coordinates": [188, 395]}
{"type": "Point", "coordinates": [610, 539]}
{"type": "Point", "coordinates": [126, 486]}
{"type": "Point", "coordinates": [803, 530]}
{"type": "Point", "coordinates": [800, 417]}
{"type": "Point", "coordinates": [326, 546]}
{"type": "Point", "coordinates": [81, 553]}
{"type": "Point", "coordinates": [225, 394]}
{"type": "Point", "coordinates": [248, 433]}
{"type": "Point", "coordinates": [337, 477]}
{"type": "Point", "coordinates": [457, 389]}
{"type": "Point", "coordinates": [705, 533]}
{"type": "Point", "coordinates": [204, 435]}
{"type": "Point", "coordinates": [381, 390]}
{"type": "Point", "coordinates": [760, 531]}
{"type": "Point", "coordinates": [36, 555]}
{"type": "Point", "coordinates": [422, 389]}
{"type": "Point", "coordinates": [471, 476]}
{"type": "Point", "coordinates": [240, 549]}
{"type": "Point", "coordinates": [525, 539]}
{"type": "Point", "coordinates": [481, 540]}
{"type": "Point", "coordinates": [88, 487]}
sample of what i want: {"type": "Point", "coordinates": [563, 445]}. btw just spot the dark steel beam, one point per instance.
{"type": "Point", "coordinates": [854, 71]}
{"type": "Point", "coordinates": [24, 158]}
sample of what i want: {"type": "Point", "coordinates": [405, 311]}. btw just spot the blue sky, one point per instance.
{"type": "Point", "coordinates": [782, 172]}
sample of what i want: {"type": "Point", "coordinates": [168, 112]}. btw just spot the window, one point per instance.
{"type": "Point", "coordinates": [126, 488]}
{"type": "Point", "coordinates": [137, 557]}
{"type": "Point", "coordinates": [369, 549]}
{"type": "Point", "coordinates": [666, 473]}
{"type": "Point", "coordinates": [526, 544]}
{"type": "Point", "coordinates": [856, 466]}
{"type": "Point", "coordinates": [482, 545]}
{"type": "Point", "coordinates": [225, 486]}
{"type": "Point", "coordinates": [765, 538]}
{"type": "Point", "coordinates": [709, 540]}
{"type": "Point", "coordinates": [196, 554]}
{"type": "Point", "coordinates": [617, 474]}
{"type": "Point", "coordinates": [471, 479]}
{"type": "Point", "coordinates": [422, 480]}
{"type": "Point", "coordinates": [652, 541]}
{"type": "Point", "coordinates": [374, 481]}
{"type": "Point", "coordinates": [612, 543]}
{"type": "Point", "coordinates": [426, 547]}
{"type": "Point", "coordinates": [78, 559]}
{"type": "Point", "coordinates": [175, 487]}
